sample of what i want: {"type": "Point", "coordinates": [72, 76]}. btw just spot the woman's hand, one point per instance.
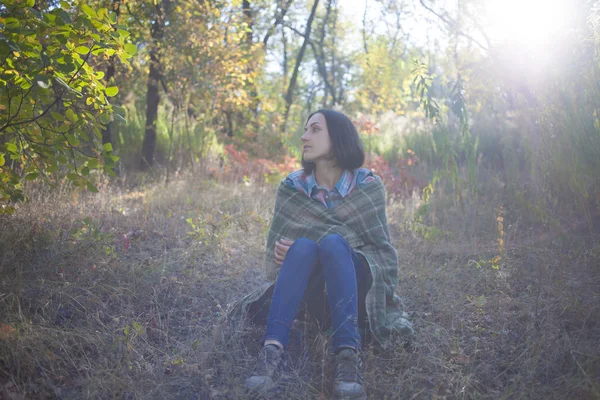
{"type": "Point", "coordinates": [281, 248]}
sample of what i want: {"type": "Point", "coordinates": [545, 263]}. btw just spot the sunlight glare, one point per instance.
{"type": "Point", "coordinates": [531, 23]}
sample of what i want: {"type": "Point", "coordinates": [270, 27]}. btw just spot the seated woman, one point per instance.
{"type": "Point", "coordinates": [329, 229]}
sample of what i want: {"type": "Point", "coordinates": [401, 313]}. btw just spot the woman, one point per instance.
{"type": "Point", "coordinates": [329, 229]}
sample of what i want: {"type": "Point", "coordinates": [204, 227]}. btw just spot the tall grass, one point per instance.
{"type": "Point", "coordinates": [182, 141]}
{"type": "Point", "coordinates": [119, 295]}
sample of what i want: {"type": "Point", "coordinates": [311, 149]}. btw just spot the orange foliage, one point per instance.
{"type": "Point", "coordinates": [398, 181]}
{"type": "Point", "coordinates": [364, 125]}
{"type": "Point", "coordinates": [238, 166]}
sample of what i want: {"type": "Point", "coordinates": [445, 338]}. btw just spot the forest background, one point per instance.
{"type": "Point", "coordinates": [141, 143]}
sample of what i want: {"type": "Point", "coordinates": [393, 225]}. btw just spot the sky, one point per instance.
{"type": "Point", "coordinates": [531, 23]}
{"type": "Point", "coordinates": [528, 36]}
{"type": "Point", "coordinates": [353, 10]}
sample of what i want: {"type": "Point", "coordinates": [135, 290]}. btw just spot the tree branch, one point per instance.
{"type": "Point", "coordinates": [292, 85]}
{"type": "Point", "coordinates": [364, 30]}
{"type": "Point", "coordinates": [452, 24]}
{"type": "Point", "coordinates": [278, 20]}
{"type": "Point", "coordinates": [27, 121]}
{"type": "Point", "coordinates": [320, 65]}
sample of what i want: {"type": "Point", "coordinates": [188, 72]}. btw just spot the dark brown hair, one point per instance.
{"type": "Point", "coordinates": [346, 145]}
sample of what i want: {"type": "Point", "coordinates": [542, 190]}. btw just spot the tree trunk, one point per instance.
{"type": "Point", "coordinates": [152, 100]}
{"type": "Point", "coordinates": [335, 99]}
{"type": "Point", "coordinates": [189, 140]}
{"type": "Point", "coordinates": [229, 123]}
{"type": "Point", "coordinates": [250, 86]}
{"type": "Point", "coordinates": [170, 145]}
{"type": "Point", "coordinates": [152, 95]}
{"type": "Point", "coordinates": [285, 58]}
{"type": "Point", "coordinates": [249, 20]}
{"type": "Point", "coordinates": [320, 57]}
{"type": "Point", "coordinates": [110, 73]}
{"type": "Point", "coordinates": [290, 92]}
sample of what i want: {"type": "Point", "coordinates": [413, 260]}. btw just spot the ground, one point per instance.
{"type": "Point", "coordinates": [120, 295]}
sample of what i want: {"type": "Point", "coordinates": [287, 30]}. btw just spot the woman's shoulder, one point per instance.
{"type": "Point", "coordinates": [295, 179]}
{"type": "Point", "coordinates": [295, 175]}
{"type": "Point", "coordinates": [364, 176]}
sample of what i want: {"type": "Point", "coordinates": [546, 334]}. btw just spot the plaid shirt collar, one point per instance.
{"type": "Point", "coordinates": [343, 186]}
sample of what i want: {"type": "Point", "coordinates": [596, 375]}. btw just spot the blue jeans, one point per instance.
{"type": "Point", "coordinates": [340, 266]}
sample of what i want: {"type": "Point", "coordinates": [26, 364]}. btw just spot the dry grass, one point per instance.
{"type": "Point", "coordinates": [87, 314]}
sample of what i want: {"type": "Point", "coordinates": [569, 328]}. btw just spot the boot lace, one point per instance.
{"type": "Point", "coordinates": [348, 367]}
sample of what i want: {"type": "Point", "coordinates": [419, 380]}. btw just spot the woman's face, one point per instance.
{"type": "Point", "coordinates": [316, 141]}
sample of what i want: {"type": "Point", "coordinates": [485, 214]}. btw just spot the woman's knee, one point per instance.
{"type": "Point", "coordinates": [304, 246]}
{"type": "Point", "coordinates": [332, 245]}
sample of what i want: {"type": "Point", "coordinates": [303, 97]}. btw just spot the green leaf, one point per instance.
{"type": "Point", "coordinates": [52, 168]}
{"type": "Point", "coordinates": [62, 159]}
{"type": "Point", "coordinates": [82, 49]}
{"type": "Point", "coordinates": [12, 23]}
{"type": "Point", "coordinates": [37, 13]}
{"type": "Point", "coordinates": [112, 91]}
{"type": "Point", "coordinates": [50, 18]}
{"type": "Point", "coordinates": [2, 160]}
{"type": "Point", "coordinates": [31, 176]}
{"type": "Point", "coordinates": [57, 116]}
{"type": "Point", "coordinates": [85, 171]}
{"type": "Point", "coordinates": [89, 11]}
{"type": "Point", "coordinates": [71, 115]}
{"type": "Point", "coordinates": [131, 48]}
{"type": "Point", "coordinates": [105, 118]}
{"type": "Point", "coordinates": [73, 140]}
{"type": "Point", "coordinates": [91, 187]}
{"type": "Point", "coordinates": [93, 163]}
{"type": "Point", "coordinates": [64, 128]}
{"type": "Point", "coordinates": [107, 147]}
{"type": "Point", "coordinates": [11, 147]}
{"type": "Point", "coordinates": [30, 3]}
{"type": "Point", "coordinates": [65, 6]}
{"type": "Point", "coordinates": [72, 176]}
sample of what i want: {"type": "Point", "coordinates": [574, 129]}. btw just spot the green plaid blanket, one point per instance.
{"type": "Point", "coordinates": [362, 221]}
